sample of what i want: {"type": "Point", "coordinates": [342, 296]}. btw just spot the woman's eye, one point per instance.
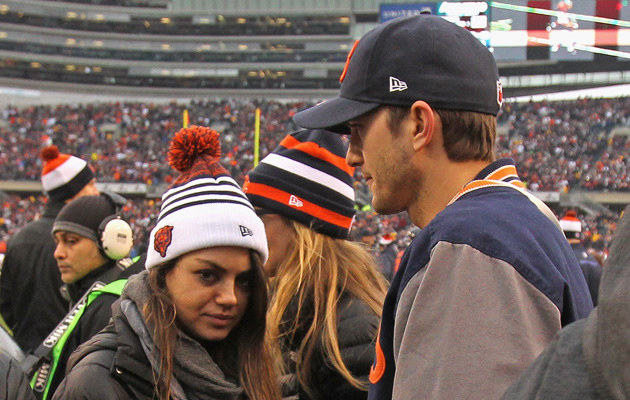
{"type": "Point", "coordinates": [244, 282]}
{"type": "Point", "coordinates": [207, 275]}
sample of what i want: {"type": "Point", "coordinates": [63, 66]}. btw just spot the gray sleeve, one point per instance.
{"type": "Point", "coordinates": [466, 326]}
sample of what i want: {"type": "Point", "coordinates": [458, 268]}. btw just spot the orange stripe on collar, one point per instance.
{"type": "Point", "coordinates": [482, 183]}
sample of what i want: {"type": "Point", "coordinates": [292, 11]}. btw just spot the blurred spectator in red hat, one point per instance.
{"type": "Point", "coordinates": [30, 300]}
{"type": "Point", "coordinates": [572, 228]}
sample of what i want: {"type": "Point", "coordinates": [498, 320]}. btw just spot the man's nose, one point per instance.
{"type": "Point", "coordinates": [59, 252]}
{"type": "Point", "coordinates": [354, 156]}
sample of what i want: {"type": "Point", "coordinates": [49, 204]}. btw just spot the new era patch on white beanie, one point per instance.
{"type": "Point", "coordinates": [204, 207]}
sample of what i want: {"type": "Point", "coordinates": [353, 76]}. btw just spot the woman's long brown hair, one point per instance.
{"type": "Point", "coordinates": [247, 343]}
{"type": "Point", "coordinates": [318, 271]}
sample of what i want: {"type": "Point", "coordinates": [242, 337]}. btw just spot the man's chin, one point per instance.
{"type": "Point", "coordinates": [383, 204]}
{"type": "Point", "coordinates": [67, 278]}
{"type": "Point", "coordinates": [385, 209]}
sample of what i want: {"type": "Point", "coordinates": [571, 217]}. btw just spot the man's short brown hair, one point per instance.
{"type": "Point", "coordinates": [467, 135]}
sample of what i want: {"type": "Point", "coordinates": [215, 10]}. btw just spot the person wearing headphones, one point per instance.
{"type": "Point", "coordinates": [93, 242]}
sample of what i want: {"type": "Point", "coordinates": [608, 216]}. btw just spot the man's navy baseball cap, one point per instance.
{"type": "Point", "coordinates": [423, 57]}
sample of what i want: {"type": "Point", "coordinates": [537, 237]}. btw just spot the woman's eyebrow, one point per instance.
{"type": "Point", "coordinates": [209, 263]}
{"type": "Point", "coordinates": [248, 273]}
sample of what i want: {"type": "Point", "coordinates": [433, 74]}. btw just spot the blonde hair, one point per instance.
{"type": "Point", "coordinates": [306, 292]}
{"type": "Point", "coordinates": [246, 353]}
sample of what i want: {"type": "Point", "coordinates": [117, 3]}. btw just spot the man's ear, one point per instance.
{"type": "Point", "coordinates": [424, 120]}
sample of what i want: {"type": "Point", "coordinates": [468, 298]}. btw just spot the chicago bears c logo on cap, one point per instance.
{"type": "Point", "coordinates": [345, 68]}
{"type": "Point", "coordinates": [499, 93]}
{"type": "Point", "coordinates": [162, 240]}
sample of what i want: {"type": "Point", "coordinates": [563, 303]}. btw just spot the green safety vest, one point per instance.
{"type": "Point", "coordinates": [43, 377]}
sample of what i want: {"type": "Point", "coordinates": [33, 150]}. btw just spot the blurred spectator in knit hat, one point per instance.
{"type": "Point", "coordinates": [30, 301]}
{"type": "Point", "coordinates": [367, 235]}
{"type": "Point", "coordinates": [403, 243]}
{"type": "Point", "coordinates": [572, 228]}
{"type": "Point", "coordinates": [388, 249]}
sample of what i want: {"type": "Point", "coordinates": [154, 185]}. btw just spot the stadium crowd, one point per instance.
{"type": "Point", "coordinates": [557, 146]}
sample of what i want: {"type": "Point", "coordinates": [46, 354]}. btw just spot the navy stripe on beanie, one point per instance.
{"type": "Point", "coordinates": [73, 186]}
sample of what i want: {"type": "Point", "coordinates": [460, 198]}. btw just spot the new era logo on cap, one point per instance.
{"type": "Point", "coordinates": [295, 202]}
{"type": "Point", "coordinates": [396, 85]}
{"type": "Point", "coordinates": [245, 231]}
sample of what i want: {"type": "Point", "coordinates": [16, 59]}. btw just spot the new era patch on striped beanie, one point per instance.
{"type": "Point", "coordinates": [63, 175]}
{"type": "Point", "coordinates": [306, 178]}
{"type": "Point", "coordinates": [204, 207]}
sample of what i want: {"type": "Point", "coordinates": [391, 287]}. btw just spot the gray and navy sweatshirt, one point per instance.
{"type": "Point", "coordinates": [480, 292]}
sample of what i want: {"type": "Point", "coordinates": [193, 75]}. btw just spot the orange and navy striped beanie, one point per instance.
{"type": "Point", "coordinates": [63, 175]}
{"type": "Point", "coordinates": [306, 179]}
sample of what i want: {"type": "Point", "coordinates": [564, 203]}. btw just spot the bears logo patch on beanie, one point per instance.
{"type": "Point", "coordinates": [307, 179]}
{"type": "Point", "coordinates": [204, 207]}
{"type": "Point", "coordinates": [63, 175]}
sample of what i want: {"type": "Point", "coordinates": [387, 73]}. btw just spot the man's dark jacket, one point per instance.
{"type": "Point", "coordinates": [590, 268]}
{"type": "Point", "coordinates": [30, 301]}
{"type": "Point", "coordinates": [97, 315]}
{"type": "Point", "coordinates": [117, 349]}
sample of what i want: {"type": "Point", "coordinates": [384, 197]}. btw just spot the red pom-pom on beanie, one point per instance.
{"type": "Point", "coordinates": [191, 143]}
{"type": "Point", "coordinates": [571, 214]}
{"type": "Point", "coordinates": [49, 153]}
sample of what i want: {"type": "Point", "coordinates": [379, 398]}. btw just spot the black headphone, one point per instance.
{"type": "Point", "coordinates": [115, 236]}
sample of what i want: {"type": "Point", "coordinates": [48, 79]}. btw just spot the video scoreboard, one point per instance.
{"type": "Point", "coordinates": [519, 30]}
